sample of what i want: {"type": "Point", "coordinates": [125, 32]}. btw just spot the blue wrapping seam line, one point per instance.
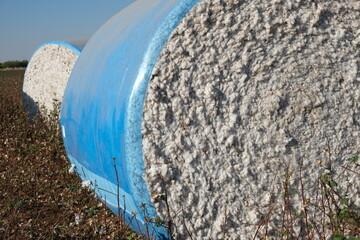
{"type": "Point", "coordinates": [137, 98]}
{"type": "Point", "coordinates": [71, 47]}
{"type": "Point", "coordinates": [76, 50]}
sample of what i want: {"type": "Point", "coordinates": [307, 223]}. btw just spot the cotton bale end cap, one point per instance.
{"type": "Point", "coordinates": [47, 74]}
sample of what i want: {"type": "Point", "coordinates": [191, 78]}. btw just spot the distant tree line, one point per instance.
{"type": "Point", "coordinates": [14, 64]}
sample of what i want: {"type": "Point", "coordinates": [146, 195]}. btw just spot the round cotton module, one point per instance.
{"type": "Point", "coordinates": [47, 74]}
{"type": "Point", "coordinates": [206, 116]}
{"type": "Point", "coordinates": [101, 113]}
{"type": "Point", "coordinates": [246, 97]}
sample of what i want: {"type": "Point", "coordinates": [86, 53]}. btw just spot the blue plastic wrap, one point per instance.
{"type": "Point", "coordinates": [76, 47]}
{"type": "Point", "coordinates": [103, 104]}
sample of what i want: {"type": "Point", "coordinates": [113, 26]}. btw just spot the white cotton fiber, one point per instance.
{"type": "Point", "coordinates": [46, 77]}
{"type": "Point", "coordinates": [243, 92]}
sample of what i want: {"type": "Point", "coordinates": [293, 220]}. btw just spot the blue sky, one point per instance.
{"type": "Point", "coordinates": [26, 24]}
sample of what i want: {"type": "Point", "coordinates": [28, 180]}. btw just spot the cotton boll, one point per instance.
{"type": "Point", "coordinates": [72, 168]}
{"type": "Point", "coordinates": [86, 183]}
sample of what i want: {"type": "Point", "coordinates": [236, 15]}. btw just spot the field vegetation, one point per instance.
{"type": "Point", "coordinates": [39, 199]}
{"type": "Point", "coordinates": [14, 64]}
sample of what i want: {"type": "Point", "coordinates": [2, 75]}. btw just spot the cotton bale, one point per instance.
{"type": "Point", "coordinates": [211, 107]}
{"type": "Point", "coordinates": [244, 94]}
{"type": "Point", "coordinates": [47, 74]}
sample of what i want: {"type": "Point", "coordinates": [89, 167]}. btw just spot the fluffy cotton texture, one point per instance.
{"type": "Point", "coordinates": [244, 91]}
{"type": "Point", "coordinates": [46, 77]}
